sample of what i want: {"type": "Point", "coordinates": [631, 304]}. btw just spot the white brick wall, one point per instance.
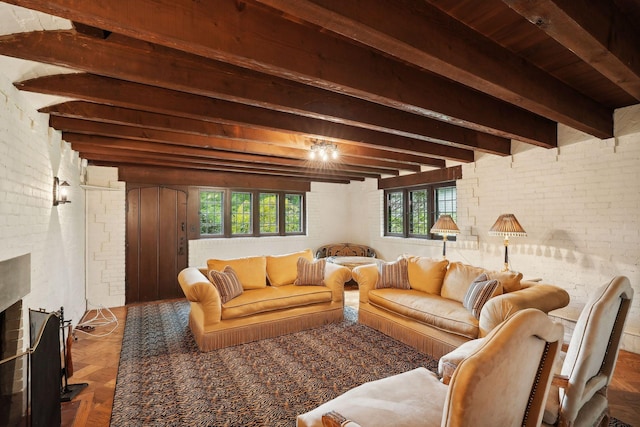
{"type": "Point", "coordinates": [106, 219]}
{"type": "Point", "coordinates": [31, 154]}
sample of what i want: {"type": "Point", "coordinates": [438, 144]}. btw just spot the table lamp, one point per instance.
{"type": "Point", "coordinates": [444, 226]}
{"type": "Point", "coordinates": [507, 226]}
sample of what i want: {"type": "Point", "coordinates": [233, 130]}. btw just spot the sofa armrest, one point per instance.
{"type": "Point", "coordinates": [542, 296]}
{"type": "Point", "coordinates": [199, 290]}
{"type": "Point", "coordinates": [335, 277]}
{"type": "Point", "coordinates": [367, 277]}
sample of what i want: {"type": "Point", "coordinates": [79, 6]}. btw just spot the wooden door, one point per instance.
{"type": "Point", "coordinates": [156, 242]}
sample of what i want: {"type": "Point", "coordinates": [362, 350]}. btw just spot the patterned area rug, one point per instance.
{"type": "Point", "coordinates": [164, 380]}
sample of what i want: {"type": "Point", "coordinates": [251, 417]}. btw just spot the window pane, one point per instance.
{"type": "Point", "coordinates": [446, 201]}
{"type": "Point", "coordinates": [268, 213]}
{"type": "Point", "coordinates": [293, 213]}
{"type": "Point", "coordinates": [241, 213]}
{"type": "Point", "coordinates": [211, 212]}
{"type": "Point", "coordinates": [418, 212]}
{"type": "Point", "coordinates": [395, 216]}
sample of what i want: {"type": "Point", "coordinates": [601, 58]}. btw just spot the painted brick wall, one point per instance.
{"type": "Point", "coordinates": [105, 237]}
{"type": "Point", "coordinates": [31, 154]}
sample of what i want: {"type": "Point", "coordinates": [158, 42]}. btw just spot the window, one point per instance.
{"type": "Point", "coordinates": [411, 212]}
{"type": "Point", "coordinates": [236, 213]}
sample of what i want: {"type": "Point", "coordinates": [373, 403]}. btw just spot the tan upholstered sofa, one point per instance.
{"type": "Point", "coordinates": [431, 316]}
{"type": "Point", "coordinates": [270, 304]}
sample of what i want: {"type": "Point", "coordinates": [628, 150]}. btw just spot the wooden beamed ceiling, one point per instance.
{"type": "Point", "coordinates": [164, 87]}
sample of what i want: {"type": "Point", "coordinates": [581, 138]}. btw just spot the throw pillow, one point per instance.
{"type": "Point", "coordinates": [226, 282]}
{"type": "Point", "coordinates": [310, 272]}
{"type": "Point", "coordinates": [252, 271]}
{"type": "Point", "coordinates": [282, 269]}
{"type": "Point", "coordinates": [481, 290]}
{"type": "Point", "coordinates": [393, 275]}
{"type": "Point", "coordinates": [426, 274]}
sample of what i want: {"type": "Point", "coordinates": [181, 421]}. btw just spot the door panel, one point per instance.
{"type": "Point", "coordinates": [156, 243]}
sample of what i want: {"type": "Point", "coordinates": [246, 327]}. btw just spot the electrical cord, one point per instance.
{"type": "Point", "coordinates": [99, 319]}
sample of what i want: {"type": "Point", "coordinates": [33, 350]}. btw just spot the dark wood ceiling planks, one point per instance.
{"type": "Point", "coordinates": [401, 86]}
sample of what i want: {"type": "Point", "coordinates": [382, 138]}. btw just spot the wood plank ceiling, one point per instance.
{"type": "Point", "coordinates": [192, 92]}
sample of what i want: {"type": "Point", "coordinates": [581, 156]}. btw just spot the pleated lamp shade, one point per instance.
{"type": "Point", "coordinates": [445, 225]}
{"type": "Point", "coordinates": [508, 226]}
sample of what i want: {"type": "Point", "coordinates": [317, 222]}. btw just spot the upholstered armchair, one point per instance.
{"type": "Point", "coordinates": [503, 383]}
{"type": "Point", "coordinates": [578, 396]}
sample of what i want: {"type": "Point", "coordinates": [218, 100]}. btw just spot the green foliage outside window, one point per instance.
{"type": "Point", "coordinates": [269, 213]}
{"type": "Point", "coordinates": [418, 212]}
{"type": "Point", "coordinates": [395, 212]}
{"type": "Point", "coordinates": [211, 212]}
{"type": "Point", "coordinates": [241, 213]}
{"type": "Point", "coordinates": [228, 213]}
{"type": "Point", "coordinates": [293, 213]}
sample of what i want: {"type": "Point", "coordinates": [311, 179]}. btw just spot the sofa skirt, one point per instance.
{"type": "Point", "coordinates": [268, 325]}
{"type": "Point", "coordinates": [424, 338]}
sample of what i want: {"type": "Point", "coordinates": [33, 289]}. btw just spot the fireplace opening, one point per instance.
{"type": "Point", "coordinates": [13, 393]}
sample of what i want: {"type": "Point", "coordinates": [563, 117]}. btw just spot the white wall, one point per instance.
{"type": "Point", "coordinates": [106, 219]}
{"type": "Point", "coordinates": [31, 154]}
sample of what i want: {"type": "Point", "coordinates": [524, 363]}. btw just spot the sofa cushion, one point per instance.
{"type": "Point", "coordinates": [481, 290]}
{"type": "Point", "coordinates": [283, 269]}
{"type": "Point", "coordinates": [510, 280]}
{"type": "Point", "coordinates": [393, 275]}
{"type": "Point", "coordinates": [251, 271]}
{"type": "Point", "coordinates": [440, 313]}
{"type": "Point", "coordinates": [426, 274]}
{"type": "Point", "coordinates": [458, 279]}
{"type": "Point", "coordinates": [310, 272]}
{"type": "Point", "coordinates": [274, 298]}
{"type": "Point", "coordinates": [226, 282]}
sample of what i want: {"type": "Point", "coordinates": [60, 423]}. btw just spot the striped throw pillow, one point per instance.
{"type": "Point", "coordinates": [226, 282]}
{"type": "Point", "coordinates": [481, 290]}
{"type": "Point", "coordinates": [310, 272]}
{"type": "Point", "coordinates": [394, 274]}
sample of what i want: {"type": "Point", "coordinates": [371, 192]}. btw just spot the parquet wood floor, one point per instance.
{"type": "Point", "coordinates": [96, 360]}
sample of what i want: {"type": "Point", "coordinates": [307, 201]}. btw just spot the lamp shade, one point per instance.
{"type": "Point", "coordinates": [445, 225]}
{"type": "Point", "coordinates": [507, 225]}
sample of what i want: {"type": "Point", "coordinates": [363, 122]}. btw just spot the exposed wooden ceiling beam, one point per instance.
{"type": "Point", "coordinates": [220, 157]}
{"type": "Point", "coordinates": [427, 37]}
{"type": "Point", "coordinates": [427, 177]}
{"type": "Point", "coordinates": [144, 119]}
{"type": "Point", "coordinates": [595, 30]}
{"type": "Point", "coordinates": [176, 176]}
{"type": "Point", "coordinates": [221, 147]}
{"type": "Point", "coordinates": [106, 90]}
{"type": "Point", "coordinates": [103, 154]}
{"type": "Point", "coordinates": [202, 76]}
{"type": "Point", "coordinates": [242, 34]}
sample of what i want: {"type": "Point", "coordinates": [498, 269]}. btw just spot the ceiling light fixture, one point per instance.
{"type": "Point", "coordinates": [321, 150]}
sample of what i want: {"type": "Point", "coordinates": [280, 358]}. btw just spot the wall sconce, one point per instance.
{"type": "Point", "coordinates": [60, 192]}
{"type": "Point", "coordinates": [323, 151]}
{"type": "Point", "coordinates": [444, 226]}
{"type": "Point", "coordinates": [507, 225]}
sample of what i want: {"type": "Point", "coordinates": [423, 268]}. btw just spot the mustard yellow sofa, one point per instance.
{"type": "Point", "coordinates": [269, 305]}
{"type": "Point", "coordinates": [430, 313]}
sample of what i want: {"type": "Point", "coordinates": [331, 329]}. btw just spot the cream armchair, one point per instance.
{"type": "Point", "coordinates": [503, 383]}
{"type": "Point", "coordinates": [579, 395]}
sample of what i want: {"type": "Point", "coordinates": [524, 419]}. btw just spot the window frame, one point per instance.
{"type": "Point", "coordinates": [432, 210]}
{"type": "Point", "coordinates": [255, 212]}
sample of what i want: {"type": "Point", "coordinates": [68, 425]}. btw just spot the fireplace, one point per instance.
{"type": "Point", "coordinates": [15, 284]}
